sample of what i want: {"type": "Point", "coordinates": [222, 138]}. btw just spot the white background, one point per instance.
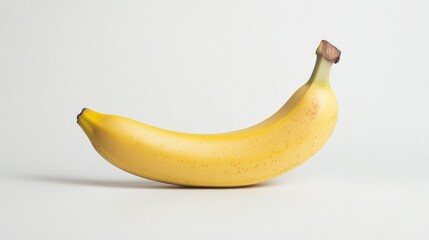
{"type": "Point", "coordinates": [212, 66]}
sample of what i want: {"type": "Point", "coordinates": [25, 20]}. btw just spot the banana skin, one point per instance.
{"type": "Point", "coordinates": [239, 158]}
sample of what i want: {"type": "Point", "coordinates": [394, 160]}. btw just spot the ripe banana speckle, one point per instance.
{"type": "Point", "coordinates": [239, 158]}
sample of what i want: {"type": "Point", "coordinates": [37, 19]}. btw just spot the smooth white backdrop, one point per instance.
{"type": "Point", "coordinates": [212, 66]}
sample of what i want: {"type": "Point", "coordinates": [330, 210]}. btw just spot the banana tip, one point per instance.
{"type": "Point", "coordinates": [81, 112]}
{"type": "Point", "coordinates": [329, 51]}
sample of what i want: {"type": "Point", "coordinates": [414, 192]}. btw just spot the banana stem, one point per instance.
{"type": "Point", "coordinates": [321, 71]}
{"type": "Point", "coordinates": [327, 54]}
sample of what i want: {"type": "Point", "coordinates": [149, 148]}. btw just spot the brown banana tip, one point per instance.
{"type": "Point", "coordinates": [81, 112]}
{"type": "Point", "coordinates": [330, 52]}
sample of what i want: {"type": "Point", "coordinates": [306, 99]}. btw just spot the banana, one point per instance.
{"type": "Point", "coordinates": [238, 158]}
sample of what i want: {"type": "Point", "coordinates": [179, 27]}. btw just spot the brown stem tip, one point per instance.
{"type": "Point", "coordinates": [329, 51]}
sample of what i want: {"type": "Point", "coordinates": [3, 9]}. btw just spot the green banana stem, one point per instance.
{"type": "Point", "coordinates": [327, 54]}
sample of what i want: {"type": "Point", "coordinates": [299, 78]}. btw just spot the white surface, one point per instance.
{"type": "Point", "coordinates": [210, 66]}
{"type": "Point", "coordinates": [297, 206]}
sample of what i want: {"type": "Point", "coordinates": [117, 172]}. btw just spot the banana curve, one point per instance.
{"type": "Point", "coordinates": [252, 155]}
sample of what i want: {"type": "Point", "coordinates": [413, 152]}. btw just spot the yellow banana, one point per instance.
{"type": "Point", "coordinates": [244, 157]}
